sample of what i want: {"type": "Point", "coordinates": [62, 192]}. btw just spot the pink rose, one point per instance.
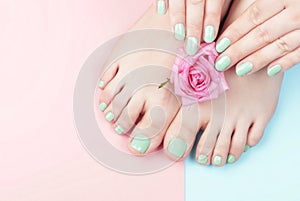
{"type": "Point", "coordinates": [195, 78]}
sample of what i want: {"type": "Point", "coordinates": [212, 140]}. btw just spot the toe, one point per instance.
{"type": "Point", "coordinates": [182, 132]}
{"type": "Point", "coordinates": [256, 132]}
{"type": "Point", "coordinates": [238, 141]}
{"type": "Point", "coordinates": [109, 73]}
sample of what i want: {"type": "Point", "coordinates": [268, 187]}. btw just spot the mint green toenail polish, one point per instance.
{"type": "Point", "coordinates": [179, 31]}
{"type": "Point", "coordinates": [274, 70]}
{"type": "Point", "coordinates": [191, 46]}
{"type": "Point", "coordinates": [222, 63]}
{"type": "Point", "coordinates": [247, 147]}
{"type": "Point", "coordinates": [217, 160]}
{"type": "Point", "coordinates": [161, 7]}
{"type": "Point", "coordinates": [230, 159]}
{"type": "Point", "coordinates": [222, 45]}
{"type": "Point", "coordinates": [209, 34]}
{"type": "Point", "coordinates": [102, 106]}
{"type": "Point", "coordinates": [244, 68]}
{"type": "Point", "coordinates": [110, 117]}
{"type": "Point", "coordinates": [119, 129]}
{"type": "Point", "coordinates": [177, 147]}
{"type": "Point", "coordinates": [101, 84]}
{"type": "Point", "coordinates": [140, 143]}
{"type": "Point", "coordinates": [202, 159]}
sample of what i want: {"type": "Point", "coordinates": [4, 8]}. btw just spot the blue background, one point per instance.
{"type": "Point", "coordinates": [268, 171]}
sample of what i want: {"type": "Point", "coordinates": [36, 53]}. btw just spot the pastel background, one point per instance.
{"type": "Point", "coordinates": [43, 44]}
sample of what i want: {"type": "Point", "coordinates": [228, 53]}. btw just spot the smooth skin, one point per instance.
{"type": "Point", "coordinates": [194, 20]}
{"type": "Point", "coordinates": [267, 34]}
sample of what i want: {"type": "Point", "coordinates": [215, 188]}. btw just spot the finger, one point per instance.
{"type": "Point", "coordinates": [194, 22]}
{"type": "Point", "coordinates": [273, 51]}
{"type": "Point", "coordinates": [177, 15]}
{"type": "Point", "coordinates": [284, 63]}
{"type": "Point", "coordinates": [161, 6]}
{"type": "Point", "coordinates": [255, 15]}
{"type": "Point", "coordinates": [256, 39]}
{"type": "Point", "coordinates": [212, 18]}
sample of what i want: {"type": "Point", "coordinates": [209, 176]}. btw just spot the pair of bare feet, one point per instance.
{"type": "Point", "coordinates": [231, 123]}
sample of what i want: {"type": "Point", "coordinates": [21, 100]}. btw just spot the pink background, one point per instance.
{"type": "Point", "coordinates": [43, 44]}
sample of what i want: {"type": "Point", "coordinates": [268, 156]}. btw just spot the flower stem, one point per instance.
{"type": "Point", "coordinates": [164, 83]}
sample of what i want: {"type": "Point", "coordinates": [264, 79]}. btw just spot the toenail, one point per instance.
{"type": "Point", "coordinates": [140, 143]}
{"type": "Point", "coordinates": [202, 159]}
{"type": "Point", "coordinates": [230, 159]}
{"type": "Point", "coordinates": [101, 84]}
{"type": "Point", "coordinates": [119, 129]}
{"type": "Point", "coordinates": [177, 147]}
{"type": "Point", "coordinates": [217, 160]}
{"type": "Point", "coordinates": [247, 147]}
{"type": "Point", "coordinates": [102, 106]}
{"type": "Point", "coordinates": [109, 116]}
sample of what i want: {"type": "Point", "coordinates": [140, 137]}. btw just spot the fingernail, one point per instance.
{"type": "Point", "coordinates": [191, 46]}
{"type": "Point", "coordinates": [109, 117]}
{"type": "Point", "coordinates": [247, 147]}
{"type": "Point", "coordinates": [209, 34]}
{"type": "Point", "coordinates": [202, 159]}
{"type": "Point", "coordinates": [274, 70]}
{"type": "Point", "coordinates": [177, 147]}
{"type": "Point", "coordinates": [101, 84]}
{"type": "Point", "coordinates": [102, 106]}
{"type": "Point", "coordinates": [140, 143]}
{"type": "Point", "coordinates": [217, 160]}
{"type": "Point", "coordinates": [222, 45]}
{"type": "Point", "coordinates": [179, 31]}
{"type": "Point", "coordinates": [222, 63]}
{"type": "Point", "coordinates": [119, 129]}
{"type": "Point", "coordinates": [230, 159]}
{"type": "Point", "coordinates": [244, 68]}
{"type": "Point", "coordinates": [161, 7]}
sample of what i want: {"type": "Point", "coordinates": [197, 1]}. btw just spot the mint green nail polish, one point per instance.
{"type": "Point", "coordinates": [222, 45]}
{"type": "Point", "coordinates": [274, 70]}
{"type": "Point", "coordinates": [209, 34]}
{"type": "Point", "coordinates": [230, 159]}
{"type": "Point", "coordinates": [101, 84]}
{"type": "Point", "coordinates": [222, 63]}
{"type": "Point", "coordinates": [110, 117]}
{"type": "Point", "coordinates": [102, 106]}
{"type": "Point", "coordinates": [191, 46]}
{"type": "Point", "coordinates": [247, 147]}
{"type": "Point", "coordinates": [140, 143]}
{"type": "Point", "coordinates": [217, 160]}
{"type": "Point", "coordinates": [161, 7]}
{"type": "Point", "coordinates": [202, 159]}
{"type": "Point", "coordinates": [119, 129]}
{"type": "Point", "coordinates": [244, 68]}
{"type": "Point", "coordinates": [179, 31]}
{"type": "Point", "coordinates": [177, 147]}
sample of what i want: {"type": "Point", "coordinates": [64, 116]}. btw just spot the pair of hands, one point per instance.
{"type": "Point", "coordinates": [267, 34]}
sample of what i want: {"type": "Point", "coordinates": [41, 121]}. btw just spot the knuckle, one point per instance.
{"type": "Point", "coordinates": [255, 15]}
{"type": "Point", "coordinates": [194, 29]}
{"type": "Point", "coordinates": [282, 45]}
{"type": "Point", "coordinates": [263, 35]}
{"type": "Point", "coordinates": [196, 2]}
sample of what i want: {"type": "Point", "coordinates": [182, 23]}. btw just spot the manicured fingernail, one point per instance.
{"type": "Point", "coordinates": [102, 106]}
{"type": "Point", "coordinates": [247, 147]}
{"type": "Point", "coordinates": [209, 34]}
{"type": "Point", "coordinates": [140, 143]}
{"type": "Point", "coordinates": [230, 159]}
{"type": "Point", "coordinates": [244, 68]}
{"type": "Point", "coordinates": [191, 46]}
{"type": "Point", "coordinates": [119, 129]}
{"type": "Point", "coordinates": [101, 84]}
{"type": "Point", "coordinates": [202, 159]}
{"type": "Point", "coordinates": [274, 70]}
{"type": "Point", "coordinates": [222, 45]}
{"type": "Point", "coordinates": [177, 147]}
{"type": "Point", "coordinates": [109, 117]}
{"type": "Point", "coordinates": [222, 63]}
{"type": "Point", "coordinates": [161, 7]}
{"type": "Point", "coordinates": [179, 31]}
{"type": "Point", "coordinates": [217, 160]}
